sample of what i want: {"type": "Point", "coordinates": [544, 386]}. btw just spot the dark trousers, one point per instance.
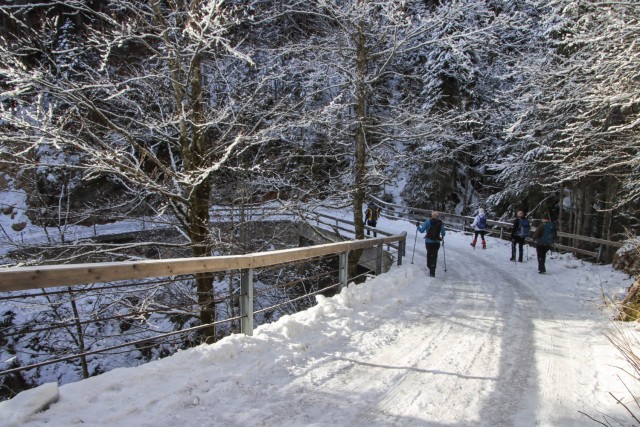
{"type": "Point", "coordinates": [541, 251]}
{"type": "Point", "coordinates": [371, 223]}
{"type": "Point", "coordinates": [517, 240]}
{"type": "Point", "coordinates": [480, 232]}
{"type": "Point", "coordinates": [432, 256]}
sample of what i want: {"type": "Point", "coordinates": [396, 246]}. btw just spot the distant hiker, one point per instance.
{"type": "Point", "coordinates": [371, 216]}
{"type": "Point", "coordinates": [479, 225]}
{"type": "Point", "coordinates": [519, 234]}
{"type": "Point", "coordinates": [435, 233]}
{"type": "Point", "coordinates": [543, 237]}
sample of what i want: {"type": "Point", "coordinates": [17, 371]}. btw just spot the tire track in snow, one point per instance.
{"type": "Point", "coordinates": [537, 362]}
{"type": "Point", "coordinates": [470, 353]}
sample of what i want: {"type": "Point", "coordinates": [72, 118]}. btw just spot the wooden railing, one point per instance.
{"type": "Point", "coordinates": [21, 282]}
{"type": "Point", "coordinates": [24, 278]}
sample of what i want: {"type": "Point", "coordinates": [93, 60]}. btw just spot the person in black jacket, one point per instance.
{"type": "Point", "coordinates": [519, 233]}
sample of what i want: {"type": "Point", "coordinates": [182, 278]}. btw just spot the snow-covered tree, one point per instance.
{"type": "Point", "coordinates": [361, 68]}
{"type": "Point", "coordinates": [157, 98]}
{"type": "Point", "coordinates": [581, 113]}
{"type": "Point", "coordinates": [470, 79]}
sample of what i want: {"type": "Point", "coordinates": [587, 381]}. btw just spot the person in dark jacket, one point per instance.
{"type": "Point", "coordinates": [435, 234]}
{"type": "Point", "coordinates": [519, 233]}
{"type": "Point", "coordinates": [543, 237]}
{"type": "Point", "coordinates": [371, 216]}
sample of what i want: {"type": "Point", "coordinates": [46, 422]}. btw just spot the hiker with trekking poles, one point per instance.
{"type": "Point", "coordinates": [435, 234]}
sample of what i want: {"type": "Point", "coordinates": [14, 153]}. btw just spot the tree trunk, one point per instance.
{"type": "Point", "coordinates": [201, 247]}
{"type": "Point", "coordinates": [607, 228]}
{"type": "Point", "coordinates": [80, 340]}
{"type": "Point", "coordinates": [572, 210]}
{"type": "Point", "coordinates": [579, 212]}
{"type": "Point", "coordinates": [587, 221]}
{"type": "Point", "coordinates": [360, 146]}
{"type": "Point", "coordinates": [561, 212]}
{"type": "Point", "coordinates": [189, 108]}
{"type": "Point", "coordinates": [194, 153]}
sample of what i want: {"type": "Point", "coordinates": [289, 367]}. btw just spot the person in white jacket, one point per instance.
{"type": "Point", "coordinates": [479, 226]}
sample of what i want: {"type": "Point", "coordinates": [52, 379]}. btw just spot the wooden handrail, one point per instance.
{"type": "Point", "coordinates": [23, 278]}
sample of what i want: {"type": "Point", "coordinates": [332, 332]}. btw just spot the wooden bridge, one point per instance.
{"type": "Point", "coordinates": [322, 237]}
{"type": "Point", "coordinates": [68, 287]}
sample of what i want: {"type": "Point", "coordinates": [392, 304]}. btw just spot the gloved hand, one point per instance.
{"type": "Point", "coordinates": [418, 224]}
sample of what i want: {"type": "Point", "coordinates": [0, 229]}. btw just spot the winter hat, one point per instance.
{"type": "Point", "coordinates": [546, 217]}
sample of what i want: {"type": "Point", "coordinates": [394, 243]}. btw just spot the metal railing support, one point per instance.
{"type": "Point", "coordinates": [246, 301]}
{"type": "Point", "coordinates": [342, 269]}
{"type": "Point", "coordinates": [379, 254]}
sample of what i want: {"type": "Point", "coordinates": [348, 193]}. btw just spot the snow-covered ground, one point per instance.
{"type": "Point", "coordinates": [487, 343]}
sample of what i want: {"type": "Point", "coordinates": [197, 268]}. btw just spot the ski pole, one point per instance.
{"type": "Point", "coordinates": [444, 256]}
{"type": "Point", "coordinates": [415, 239]}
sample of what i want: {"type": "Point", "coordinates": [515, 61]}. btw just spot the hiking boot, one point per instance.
{"type": "Point", "coordinates": [473, 244]}
{"type": "Point", "coordinates": [513, 259]}
{"type": "Point", "coordinates": [484, 245]}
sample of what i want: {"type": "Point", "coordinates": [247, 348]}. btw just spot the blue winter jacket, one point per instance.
{"type": "Point", "coordinates": [424, 227]}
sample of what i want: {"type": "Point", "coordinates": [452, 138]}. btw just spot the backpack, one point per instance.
{"type": "Point", "coordinates": [375, 213]}
{"type": "Point", "coordinates": [433, 232]}
{"type": "Point", "coordinates": [482, 222]}
{"type": "Point", "coordinates": [524, 228]}
{"type": "Point", "coordinates": [372, 213]}
{"type": "Point", "coordinates": [548, 234]}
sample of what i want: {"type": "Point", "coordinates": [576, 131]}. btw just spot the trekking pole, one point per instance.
{"type": "Point", "coordinates": [415, 239]}
{"type": "Point", "coordinates": [444, 256]}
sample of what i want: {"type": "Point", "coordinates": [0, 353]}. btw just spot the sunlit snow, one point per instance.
{"type": "Point", "coordinates": [489, 342]}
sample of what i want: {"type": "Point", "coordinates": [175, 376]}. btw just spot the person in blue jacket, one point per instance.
{"type": "Point", "coordinates": [435, 234]}
{"type": "Point", "coordinates": [544, 237]}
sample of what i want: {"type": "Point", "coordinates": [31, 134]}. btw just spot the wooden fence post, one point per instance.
{"type": "Point", "coordinates": [402, 247]}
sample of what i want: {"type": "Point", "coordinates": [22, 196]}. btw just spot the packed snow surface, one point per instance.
{"type": "Point", "coordinates": [487, 342]}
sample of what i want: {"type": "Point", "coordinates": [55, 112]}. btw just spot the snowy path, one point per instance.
{"type": "Point", "coordinates": [487, 343]}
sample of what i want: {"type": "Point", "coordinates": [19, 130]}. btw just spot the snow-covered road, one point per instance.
{"type": "Point", "coordinates": [486, 343]}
